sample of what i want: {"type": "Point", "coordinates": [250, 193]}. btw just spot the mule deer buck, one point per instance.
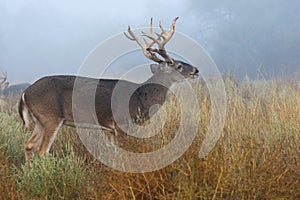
{"type": "Point", "coordinates": [48, 102]}
{"type": "Point", "coordinates": [10, 94]}
{"type": "Point", "coordinates": [3, 85]}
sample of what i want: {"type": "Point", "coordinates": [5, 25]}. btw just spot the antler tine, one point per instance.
{"type": "Point", "coordinates": [161, 41]}
{"type": "Point", "coordinates": [132, 36]}
{"type": "Point", "coordinates": [149, 44]}
{"type": "Point", "coordinates": [160, 26]}
{"type": "Point", "coordinates": [3, 77]}
{"type": "Point", "coordinates": [174, 22]}
{"type": "Point", "coordinates": [126, 33]}
{"type": "Point", "coordinates": [151, 25]}
{"type": "Point", "coordinates": [167, 35]}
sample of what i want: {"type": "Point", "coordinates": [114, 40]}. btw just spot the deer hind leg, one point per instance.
{"type": "Point", "coordinates": [34, 141]}
{"type": "Point", "coordinates": [50, 131]}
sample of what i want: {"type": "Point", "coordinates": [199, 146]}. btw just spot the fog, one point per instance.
{"type": "Point", "coordinates": [257, 38]}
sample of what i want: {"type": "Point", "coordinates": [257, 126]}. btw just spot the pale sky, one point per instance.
{"type": "Point", "coordinates": [39, 38]}
{"type": "Point", "coordinates": [53, 37]}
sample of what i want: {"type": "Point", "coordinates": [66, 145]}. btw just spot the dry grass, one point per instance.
{"type": "Point", "coordinates": [258, 156]}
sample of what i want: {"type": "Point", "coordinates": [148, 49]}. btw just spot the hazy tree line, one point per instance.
{"type": "Point", "coordinates": [254, 37]}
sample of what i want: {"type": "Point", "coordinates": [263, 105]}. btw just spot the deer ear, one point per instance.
{"type": "Point", "coordinates": [160, 68]}
{"type": "Point", "coordinates": [154, 68]}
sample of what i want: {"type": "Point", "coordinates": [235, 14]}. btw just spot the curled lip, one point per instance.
{"type": "Point", "coordinates": [194, 75]}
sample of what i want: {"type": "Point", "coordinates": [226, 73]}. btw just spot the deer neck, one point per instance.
{"type": "Point", "coordinates": [154, 90]}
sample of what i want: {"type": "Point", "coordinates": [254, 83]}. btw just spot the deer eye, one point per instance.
{"type": "Point", "coordinates": [179, 67]}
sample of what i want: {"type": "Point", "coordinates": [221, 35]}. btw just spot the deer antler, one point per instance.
{"type": "Point", "coordinates": [161, 41]}
{"type": "Point", "coordinates": [145, 46]}
{"type": "Point", "coordinates": [3, 77]}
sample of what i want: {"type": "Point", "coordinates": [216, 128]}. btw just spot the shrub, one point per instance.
{"type": "Point", "coordinates": [50, 177]}
{"type": "Point", "coordinates": [12, 138]}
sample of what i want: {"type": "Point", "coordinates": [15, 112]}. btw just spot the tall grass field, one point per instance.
{"type": "Point", "coordinates": [256, 157]}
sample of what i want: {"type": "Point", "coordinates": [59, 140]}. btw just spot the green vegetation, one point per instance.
{"type": "Point", "coordinates": [257, 157]}
{"type": "Point", "coordinates": [52, 177]}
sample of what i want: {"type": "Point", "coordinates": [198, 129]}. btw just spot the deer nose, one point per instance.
{"type": "Point", "coordinates": [196, 70]}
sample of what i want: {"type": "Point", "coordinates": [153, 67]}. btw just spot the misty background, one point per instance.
{"type": "Point", "coordinates": [257, 38]}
